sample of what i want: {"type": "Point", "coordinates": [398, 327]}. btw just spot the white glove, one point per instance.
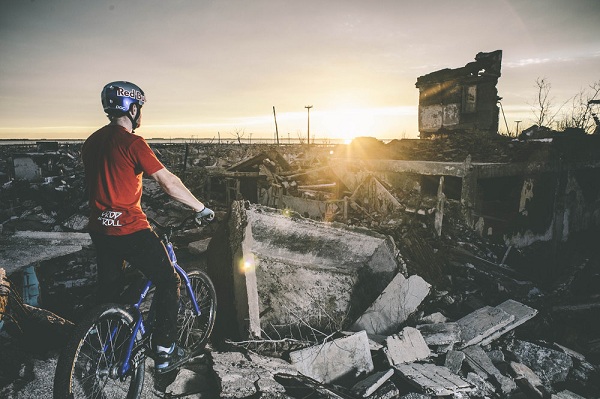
{"type": "Point", "coordinates": [205, 215]}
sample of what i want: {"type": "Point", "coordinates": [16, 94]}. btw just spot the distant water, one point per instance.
{"type": "Point", "coordinates": [186, 140]}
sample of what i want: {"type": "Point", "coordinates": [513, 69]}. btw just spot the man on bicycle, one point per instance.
{"type": "Point", "coordinates": [115, 158]}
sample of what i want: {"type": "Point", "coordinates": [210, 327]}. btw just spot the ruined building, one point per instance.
{"type": "Point", "coordinates": [462, 98]}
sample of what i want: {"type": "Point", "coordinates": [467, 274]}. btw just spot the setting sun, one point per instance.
{"type": "Point", "coordinates": [349, 123]}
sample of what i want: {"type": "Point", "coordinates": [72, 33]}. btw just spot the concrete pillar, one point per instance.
{"type": "Point", "coordinates": [469, 191]}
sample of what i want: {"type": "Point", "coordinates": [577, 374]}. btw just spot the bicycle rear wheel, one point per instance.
{"type": "Point", "coordinates": [88, 365]}
{"type": "Point", "coordinates": [194, 331]}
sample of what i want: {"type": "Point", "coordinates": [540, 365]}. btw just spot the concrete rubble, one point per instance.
{"type": "Point", "coordinates": [390, 276]}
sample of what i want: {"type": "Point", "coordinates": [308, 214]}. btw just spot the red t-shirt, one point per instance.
{"type": "Point", "coordinates": [114, 162]}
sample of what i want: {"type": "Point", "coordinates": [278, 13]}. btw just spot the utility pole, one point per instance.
{"type": "Point", "coordinates": [517, 122]}
{"type": "Point", "coordinates": [276, 130]}
{"type": "Point", "coordinates": [308, 107]}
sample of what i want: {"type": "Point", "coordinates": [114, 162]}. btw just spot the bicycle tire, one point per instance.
{"type": "Point", "coordinates": [87, 365]}
{"type": "Point", "coordinates": [193, 332]}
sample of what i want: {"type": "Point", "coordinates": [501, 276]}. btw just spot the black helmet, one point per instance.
{"type": "Point", "coordinates": [118, 96]}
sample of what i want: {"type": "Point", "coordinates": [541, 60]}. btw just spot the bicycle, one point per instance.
{"type": "Point", "coordinates": [105, 358]}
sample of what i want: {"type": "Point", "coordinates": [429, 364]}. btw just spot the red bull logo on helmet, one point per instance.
{"type": "Point", "coordinates": [133, 93]}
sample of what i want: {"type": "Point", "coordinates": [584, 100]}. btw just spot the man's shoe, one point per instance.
{"type": "Point", "coordinates": [167, 361]}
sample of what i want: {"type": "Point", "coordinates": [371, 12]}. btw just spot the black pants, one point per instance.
{"type": "Point", "coordinates": [144, 251]}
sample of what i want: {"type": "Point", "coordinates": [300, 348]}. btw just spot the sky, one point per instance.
{"type": "Point", "coordinates": [217, 68]}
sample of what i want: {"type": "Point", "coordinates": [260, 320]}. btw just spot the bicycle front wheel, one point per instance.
{"type": "Point", "coordinates": [88, 366]}
{"type": "Point", "coordinates": [194, 331]}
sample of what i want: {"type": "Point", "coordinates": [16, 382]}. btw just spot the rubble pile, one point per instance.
{"type": "Point", "coordinates": [465, 316]}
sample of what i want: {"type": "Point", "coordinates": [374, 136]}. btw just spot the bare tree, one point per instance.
{"type": "Point", "coordinates": [239, 135]}
{"type": "Point", "coordinates": [580, 114]}
{"type": "Point", "coordinates": [542, 105]}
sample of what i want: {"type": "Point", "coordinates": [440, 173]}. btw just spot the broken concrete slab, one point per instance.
{"type": "Point", "coordinates": [407, 346]}
{"type": "Point", "coordinates": [369, 385]}
{"type": "Point", "coordinates": [440, 334]}
{"type": "Point", "coordinates": [27, 247]}
{"type": "Point", "coordinates": [332, 361]}
{"type": "Point", "coordinates": [482, 365]}
{"type": "Point", "coordinates": [521, 314]}
{"type": "Point", "coordinates": [306, 272]}
{"type": "Point", "coordinates": [399, 300]}
{"type": "Point", "coordinates": [550, 365]}
{"type": "Point", "coordinates": [481, 324]}
{"type": "Point", "coordinates": [433, 380]}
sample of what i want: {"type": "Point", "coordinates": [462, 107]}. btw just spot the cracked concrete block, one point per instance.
{"type": "Point", "coordinates": [369, 385]}
{"type": "Point", "coordinates": [433, 380]}
{"type": "Point", "coordinates": [481, 324]}
{"type": "Point", "coordinates": [407, 346]}
{"type": "Point", "coordinates": [289, 272]}
{"type": "Point", "coordinates": [331, 361]}
{"type": "Point", "coordinates": [399, 300]}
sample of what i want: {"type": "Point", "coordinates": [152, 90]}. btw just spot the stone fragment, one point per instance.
{"type": "Point", "coordinates": [330, 361]}
{"type": "Point", "coordinates": [399, 300]}
{"type": "Point", "coordinates": [407, 346]}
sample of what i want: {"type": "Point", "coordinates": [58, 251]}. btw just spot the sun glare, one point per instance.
{"type": "Point", "coordinates": [347, 124]}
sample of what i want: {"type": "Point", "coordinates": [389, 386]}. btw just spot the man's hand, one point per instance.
{"type": "Point", "coordinates": [205, 214]}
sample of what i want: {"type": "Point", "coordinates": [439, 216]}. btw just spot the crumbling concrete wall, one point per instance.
{"type": "Point", "coordinates": [462, 98]}
{"type": "Point", "coordinates": [522, 202]}
{"type": "Point", "coordinates": [289, 273]}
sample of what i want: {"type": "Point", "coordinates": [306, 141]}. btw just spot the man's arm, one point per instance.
{"type": "Point", "coordinates": [172, 185]}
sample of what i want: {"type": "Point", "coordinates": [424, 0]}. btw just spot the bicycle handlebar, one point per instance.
{"type": "Point", "coordinates": [168, 230]}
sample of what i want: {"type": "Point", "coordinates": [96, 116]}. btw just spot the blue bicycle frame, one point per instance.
{"type": "Point", "coordinates": [139, 324]}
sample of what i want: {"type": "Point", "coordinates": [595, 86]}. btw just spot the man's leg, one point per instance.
{"type": "Point", "coordinates": [110, 263]}
{"type": "Point", "coordinates": [147, 253]}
